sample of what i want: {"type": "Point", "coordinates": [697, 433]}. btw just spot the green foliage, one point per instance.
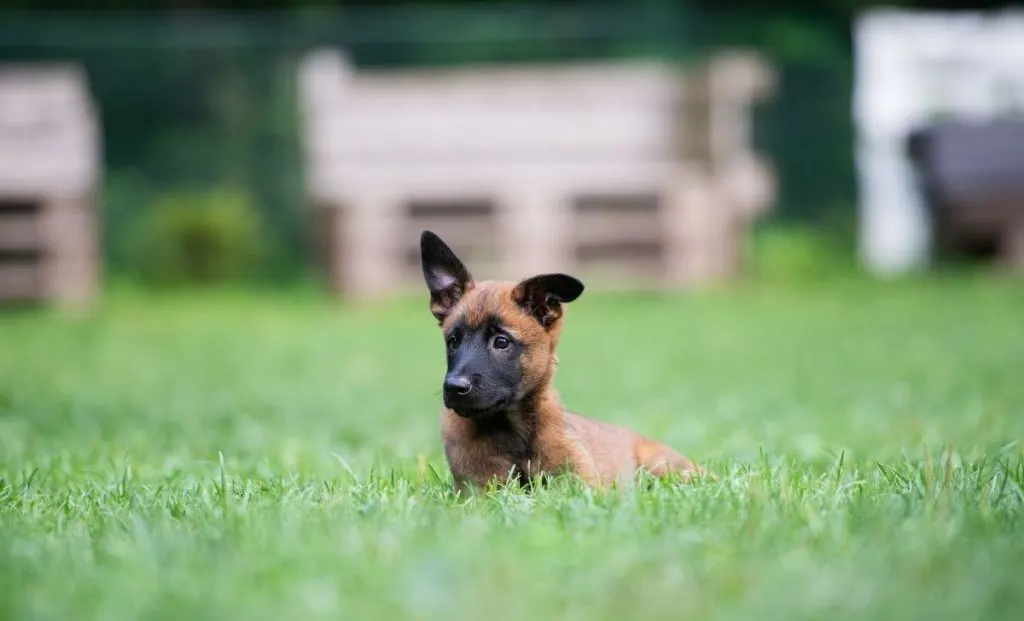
{"type": "Point", "coordinates": [197, 238]}
{"type": "Point", "coordinates": [800, 252]}
{"type": "Point", "coordinates": [223, 456]}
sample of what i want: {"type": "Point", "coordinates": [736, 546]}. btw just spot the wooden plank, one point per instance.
{"type": "Point", "coordinates": [61, 168]}
{"type": "Point", "coordinates": [70, 281]}
{"type": "Point", "coordinates": [70, 230]}
{"type": "Point", "coordinates": [49, 131]}
{"type": "Point", "coordinates": [464, 228]}
{"type": "Point", "coordinates": [410, 276]}
{"type": "Point", "coordinates": [325, 87]}
{"type": "Point", "coordinates": [1013, 245]}
{"type": "Point", "coordinates": [498, 132]}
{"type": "Point", "coordinates": [20, 232]}
{"type": "Point", "coordinates": [20, 281]}
{"type": "Point", "coordinates": [621, 225]}
{"type": "Point", "coordinates": [625, 269]}
{"type": "Point", "coordinates": [332, 181]}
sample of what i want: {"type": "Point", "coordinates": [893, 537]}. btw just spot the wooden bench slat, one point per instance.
{"type": "Point", "coordinates": [20, 233]}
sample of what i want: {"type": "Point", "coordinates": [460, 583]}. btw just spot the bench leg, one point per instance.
{"type": "Point", "coordinates": [688, 217]}
{"type": "Point", "coordinates": [366, 258]}
{"type": "Point", "coordinates": [536, 230]}
{"type": "Point", "coordinates": [70, 268]}
{"type": "Point", "coordinates": [1013, 246]}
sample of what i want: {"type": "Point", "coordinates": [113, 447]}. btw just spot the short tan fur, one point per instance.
{"type": "Point", "coordinates": [531, 433]}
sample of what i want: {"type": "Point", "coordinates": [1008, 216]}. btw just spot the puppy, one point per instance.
{"type": "Point", "coordinates": [502, 417]}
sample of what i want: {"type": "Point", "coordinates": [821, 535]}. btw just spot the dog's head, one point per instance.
{"type": "Point", "coordinates": [500, 337]}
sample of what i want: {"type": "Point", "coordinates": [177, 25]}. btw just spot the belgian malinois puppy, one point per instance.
{"type": "Point", "coordinates": [502, 417]}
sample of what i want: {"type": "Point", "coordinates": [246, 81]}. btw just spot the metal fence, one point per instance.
{"type": "Point", "coordinates": [195, 101]}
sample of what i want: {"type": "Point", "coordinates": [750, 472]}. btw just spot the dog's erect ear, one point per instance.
{"type": "Point", "coordinates": [446, 277]}
{"type": "Point", "coordinates": [542, 296]}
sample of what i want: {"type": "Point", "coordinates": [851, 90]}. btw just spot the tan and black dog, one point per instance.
{"type": "Point", "coordinates": [502, 416]}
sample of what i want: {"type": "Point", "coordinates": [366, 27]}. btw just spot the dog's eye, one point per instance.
{"type": "Point", "coordinates": [452, 342]}
{"type": "Point", "coordinates": [501, 341]}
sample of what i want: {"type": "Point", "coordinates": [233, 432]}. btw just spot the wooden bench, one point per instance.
{"type": "Point", "coordinates": [49, 169]}
{"type": "Point", "coordinates": [629, 174]}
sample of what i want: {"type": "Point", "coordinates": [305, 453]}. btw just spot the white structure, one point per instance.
{"type": "Point", "coordinates": [50, 164]}
{"type": "Point", "coordinates": [531, 143]}
{"type": "Point", "coordinates": [911, 67]}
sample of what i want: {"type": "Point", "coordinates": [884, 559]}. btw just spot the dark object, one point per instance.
{"type": "Point", "coordinates": [972, 175]}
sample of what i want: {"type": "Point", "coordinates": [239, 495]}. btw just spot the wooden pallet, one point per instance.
{"type": "Point", "coordinates": [49, 168]}
{"type": "Point", "coordinates": [626, 174]}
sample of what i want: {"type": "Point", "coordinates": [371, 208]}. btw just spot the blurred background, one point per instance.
{"type": "Point", "coordinates": [231, 435]}
{"type": "Point", "coordinates": [198, 141]}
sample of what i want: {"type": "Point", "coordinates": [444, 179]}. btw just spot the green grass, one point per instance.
{"type": "Point", "coordinates": [230, 456]}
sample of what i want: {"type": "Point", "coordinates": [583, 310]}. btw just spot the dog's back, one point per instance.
{"type": "Point", "coordinates": [617, 452]}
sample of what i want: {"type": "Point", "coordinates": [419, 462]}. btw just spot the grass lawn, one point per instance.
{"type": "Point", "coordinates": [230, 456]}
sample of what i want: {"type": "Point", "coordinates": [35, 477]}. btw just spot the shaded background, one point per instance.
{"type": "Point", "coordinates": [198, 99]}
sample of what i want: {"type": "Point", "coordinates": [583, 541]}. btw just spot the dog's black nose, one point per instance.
{"type": "Point", "coordinates": [457, 386]}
